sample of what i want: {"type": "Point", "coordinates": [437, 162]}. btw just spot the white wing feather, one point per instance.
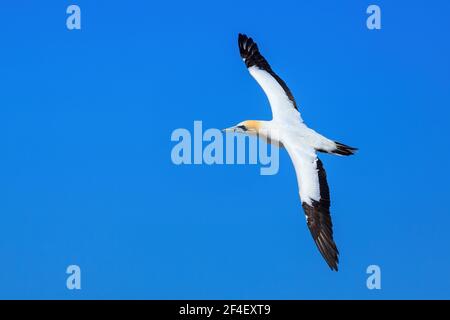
{"type": "Point", "coordinates": [282, 107]}
{"type": "Point", "coordinates": [304, 159]}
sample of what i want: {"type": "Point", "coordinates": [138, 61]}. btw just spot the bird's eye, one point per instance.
{"type": "Point", "coordinates": [243, 128]}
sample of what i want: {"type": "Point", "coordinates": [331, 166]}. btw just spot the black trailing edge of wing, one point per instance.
{"type": "Point", "coordinates": [319, 221]}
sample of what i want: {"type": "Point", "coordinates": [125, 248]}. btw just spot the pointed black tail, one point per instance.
{"type": "Point", "coordinates": [343, 149]}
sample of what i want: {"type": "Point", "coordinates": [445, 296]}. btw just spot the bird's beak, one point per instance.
{"type": "Point", "coordinates": [231, 129]}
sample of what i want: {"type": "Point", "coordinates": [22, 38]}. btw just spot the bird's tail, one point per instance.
{"type": "Point", "coordinates": [343, 150]}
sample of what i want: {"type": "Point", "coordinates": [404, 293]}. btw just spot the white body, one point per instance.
{"type": "Point", "coordinates": [288, 129]}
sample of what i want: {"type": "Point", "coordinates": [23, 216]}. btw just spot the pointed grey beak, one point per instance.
{"type": "Point", "coordinates": [232, 129]}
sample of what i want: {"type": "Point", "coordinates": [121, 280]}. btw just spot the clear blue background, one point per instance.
{"type": "Point", "coordinates": [86, 176]}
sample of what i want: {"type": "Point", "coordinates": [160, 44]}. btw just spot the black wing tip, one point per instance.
{"type": "Point", "coordinates": [249, 52]}
{"type": "Point", "coordinates": [328, 250]}
{"type": "Point", "coordinates": [320, 226]}
{"type": "Point", "coordinates": [247, 47]}
{"type": "Point", "coordinates": [332, 256]}
{"type": "Point", "coordinates": [242, 37]}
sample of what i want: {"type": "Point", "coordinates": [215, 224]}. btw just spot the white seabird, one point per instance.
{"type": "Point", "coordinates": [288, 130]}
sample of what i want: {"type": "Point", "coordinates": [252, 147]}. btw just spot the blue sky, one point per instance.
{"type": "Point", "coordinates": [86, 176]}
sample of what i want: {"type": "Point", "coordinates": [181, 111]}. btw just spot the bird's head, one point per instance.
{"type": "Point", "coordinates": [246, 127]}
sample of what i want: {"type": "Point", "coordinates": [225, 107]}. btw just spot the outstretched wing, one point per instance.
{"type": "Point", "coordinates": [315, 197]}
{"type": "Point", "coordinates": [280, 97]}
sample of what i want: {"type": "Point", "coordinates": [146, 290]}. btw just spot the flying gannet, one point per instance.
{"type": "Point", "coordinates": [288, 130]}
